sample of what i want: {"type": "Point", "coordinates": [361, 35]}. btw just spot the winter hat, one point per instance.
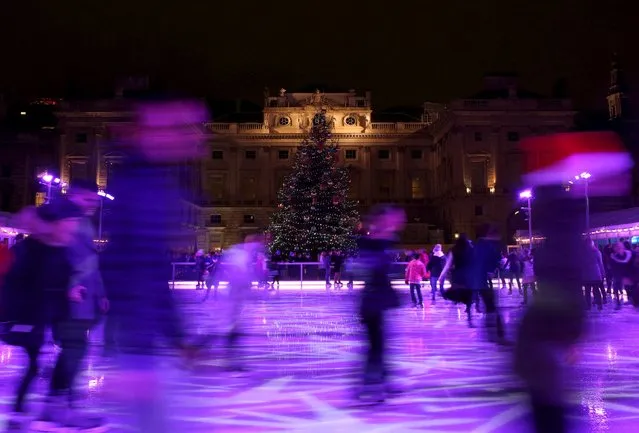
{"type": "Point", "coordinates": [560, 159]}
{"type": "Point", "coordinates": [58, 210]}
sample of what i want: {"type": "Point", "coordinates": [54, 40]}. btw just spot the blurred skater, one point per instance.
{"type": "Point", "coordinates": [239, 266]}
{"type": "Point", "coordinates": [374, 266]}
{"type": "Point", "coordinates": [145, 222]}
{"type": "Point", "coordinates": [554, 322]}
{"type": "Point", "coordinates": [485, 260]}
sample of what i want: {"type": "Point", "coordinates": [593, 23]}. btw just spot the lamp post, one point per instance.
{"type": "Point", "coordinates": [585, 176]}
{"type": "Point", "coordinates": [527, 195]}
{"type": "Point", "coordinates": [103, 195]}
{"type": "Point", "coordinates": [49, 180]}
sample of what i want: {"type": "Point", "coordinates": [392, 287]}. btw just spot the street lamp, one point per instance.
{"type": "Point", "coordinates": [103, 195]}
{"type": "Point", "coordinates": [527, 195]}
{"type": "Point", "coordinates": [585, 176]}
{"type": "Point", "coordinates": [49, 180]}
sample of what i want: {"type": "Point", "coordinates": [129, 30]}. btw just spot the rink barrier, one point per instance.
{"type": "Point", "coordinates": [302, 272]}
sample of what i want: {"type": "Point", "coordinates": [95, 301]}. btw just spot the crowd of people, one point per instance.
{"type": "Point", "coordinates": [609, 271]}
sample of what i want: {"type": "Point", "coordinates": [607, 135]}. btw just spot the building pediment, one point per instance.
{"type": "Point", "coordinates": [317, 100]}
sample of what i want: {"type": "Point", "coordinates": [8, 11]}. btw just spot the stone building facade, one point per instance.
{"type": "Point", "coordinates": [477, 161]}
{"type": "Point", "coordinates": [234, 190]}
{"type": "Point", "coordinates": [388, 162]}
{"type": "Point", "coordinates": [457, 166]}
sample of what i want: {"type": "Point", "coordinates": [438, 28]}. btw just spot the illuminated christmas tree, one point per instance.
{"type": "Point", "coordinates": [314, 212]}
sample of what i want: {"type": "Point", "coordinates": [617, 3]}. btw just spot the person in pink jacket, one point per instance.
{"type": "Point", "coordinates": [415, 273]}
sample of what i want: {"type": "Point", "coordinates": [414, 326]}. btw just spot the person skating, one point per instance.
{"type": "Point", "coordinates": [145, 223]}
{"type": "Point", "coordinates": [459, 263]}
{"type": "Point", "coordinates": [378, 296]}
{"type": "Point", "coordinates": [555, 320]}
{"type": "Point", "coordinates": [40, 292]}
{"type": "Point", "coordinates": [414, 275]}
{"type": "Point", "coordinates": [486, 258]}
{"type": "Point", "coordinates": [435, 266]}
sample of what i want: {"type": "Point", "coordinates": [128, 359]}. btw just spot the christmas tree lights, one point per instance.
{"type": "Point", "coordinates": [314, 213]}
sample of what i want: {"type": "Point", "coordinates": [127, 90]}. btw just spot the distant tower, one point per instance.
{"type": "Point", "coordinates": [617, 92]}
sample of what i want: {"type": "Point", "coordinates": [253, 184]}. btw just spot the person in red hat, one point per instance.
{"type": "Point", "coordinates": [555, 322]}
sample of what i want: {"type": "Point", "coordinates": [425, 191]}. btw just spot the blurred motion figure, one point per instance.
{"type": "Point", "coordinates": [144, 225]}
{"type": "Point", "coordinates": [374, 266]}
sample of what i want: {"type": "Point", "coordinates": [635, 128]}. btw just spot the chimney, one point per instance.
{"type": "Point", "coordinates": [238, 105]}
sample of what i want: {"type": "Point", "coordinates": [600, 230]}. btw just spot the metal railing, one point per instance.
{"type": "Point", "coordinates": [302, 272]}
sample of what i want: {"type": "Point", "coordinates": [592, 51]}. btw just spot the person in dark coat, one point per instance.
{"type": "Point", "coordinates": [555, 320]}
{"type": "Point", "coordinates": [459, 263]}
{"type": "Point", "coordinates": [486, 256]}
{"type": "Point", "coordinates": [37, 294]}
{"type": "Point", "coordinates": [378, 296]}
{"type": "Point", "coordinates": [515, 268]}
{"type": "Point", "coordinates": [435, 266]}
{"type": "Point", "coordinates": [594, 273]}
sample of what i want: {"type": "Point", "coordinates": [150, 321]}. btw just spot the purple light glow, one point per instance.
{"type": "Point", "coordinates": [525, 194]}
{"type": "Point", "coordinates": [47, 178]}
{"type": "Point", "coordinates": [105, 195]}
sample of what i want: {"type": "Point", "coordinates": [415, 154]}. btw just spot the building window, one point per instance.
{"type": "Point", "coordinates": [251, 154]}
{"type": "Point", "coordinates": [282, 154]}
{"type": "Point", "coordinates": [513, 136]}
{"type": "Point", "coordinates": [417, 190]}
{"type": "Point", "coordinates": [284, 121]}
{"type": "Point", "coordinates": [248, 188]}
{"type": "Point", "coordinates": [216, 219]}
{"type": "Point", "coordinates": [40, 198]}
{"type": "Point", "coordinates": [479, 175]}
{"type": "Point", "coordinates": [112, 169]}
{"type": "Point", "coordinates": [249, 219]}
{"type": "Point", "coordinates": [386, 186]}
{"type": "Point", "coordinates": [81, 138]}
{"type": "Point", "coordinates": [217, 154]}
{"type": "Point", "coordinates": [350, 154]}
{"type": "Point", "coordinates": [217, 187]}
{"type": "Point", "coordinates": [350, 121]}
{"type": "Point", "coordinates": [612, 109]}
{"type": "Point", "coordinates": [479, 210]}
{"type": "Point", "coordinates": [478, 136]}
{"type": "Point", "coordinates": [383, 154]}
{"type": "Point", "coordinates": [416, 154]}
{"type": "Point", "coordinates": [78, 169]}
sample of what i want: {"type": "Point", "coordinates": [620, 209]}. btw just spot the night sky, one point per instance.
{"type": "Point", "coordinates": [406, 52]}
